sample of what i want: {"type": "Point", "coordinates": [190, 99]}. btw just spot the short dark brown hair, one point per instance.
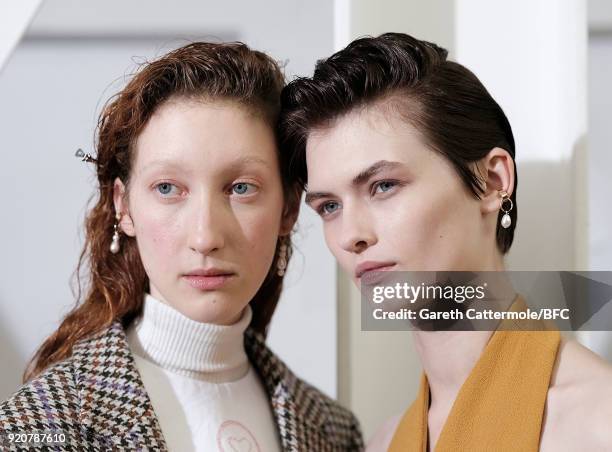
{"type": "Point", "coordinates": [446, 103]}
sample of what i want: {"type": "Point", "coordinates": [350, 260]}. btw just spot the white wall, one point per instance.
{"type": "Point", "coordinates": [538, 76]}
{"type": "Point", "coordinates": [74, 57]}
{"type": "Point", "coordinates": [16, 16]}
{"type": "Point", "coordinates": [599, 16]}
{"type": "Point", "coordinates": [600, 139]}
{"type": "Point", "coordinates": [600, 155]}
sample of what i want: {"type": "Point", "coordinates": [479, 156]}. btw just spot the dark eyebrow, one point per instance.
{"type": "Point", "coordinates": [313, 196]}
{"type": "Point", "coordinates": [361, 178]}
{"type": "Point", "coordinates": [372, 170]}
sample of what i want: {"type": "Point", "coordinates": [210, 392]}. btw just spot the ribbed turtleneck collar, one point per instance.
{"type": "Point", "coordinates": [167, 338]}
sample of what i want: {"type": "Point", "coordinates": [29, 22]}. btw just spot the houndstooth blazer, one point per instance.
{"type": "Point", "coordinates": [96, 398]}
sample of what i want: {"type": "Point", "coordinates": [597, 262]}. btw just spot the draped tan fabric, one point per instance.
{"type": "Point", "coordinates": [501, 404]}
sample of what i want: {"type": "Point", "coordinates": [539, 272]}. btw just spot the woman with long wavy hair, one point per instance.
{"type": "Point", "coordinates": [185, 252]}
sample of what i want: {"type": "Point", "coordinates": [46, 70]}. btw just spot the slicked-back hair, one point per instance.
{"type": "Point", "coordinates": [443, 100]}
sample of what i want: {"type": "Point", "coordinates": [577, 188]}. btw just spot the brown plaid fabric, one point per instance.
{"type": "Point", "coordinates": [97, 401]}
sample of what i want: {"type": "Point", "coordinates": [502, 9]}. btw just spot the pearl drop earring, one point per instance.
{"type": "Point", "coordinates": [114, 247]}
{"type": "Point", "coordinates": [281, 263]}
{"type": "Point", "coordinates": [506, 221]}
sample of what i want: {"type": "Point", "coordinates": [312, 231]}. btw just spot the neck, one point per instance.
{"type": "Point", "coordinates": [448, 357]}
{"type": "Point", "coordinates": [168, 339]}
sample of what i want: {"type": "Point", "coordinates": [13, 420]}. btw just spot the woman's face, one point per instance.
{"type": "Point", "coordinates": [388, 201]}
{"type": "Point", "coordinates": [204, 204]}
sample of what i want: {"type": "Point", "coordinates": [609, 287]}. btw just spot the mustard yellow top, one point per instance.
{"type": "Point", "coordinates": [500, 405]}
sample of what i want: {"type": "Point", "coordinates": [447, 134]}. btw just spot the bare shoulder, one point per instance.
{"type": "Point", "coordinates": [579, 368]}
{"type": "Point", "coordinates": [579, 402]}
{"type": "Point", "coordinates": [381, 440]}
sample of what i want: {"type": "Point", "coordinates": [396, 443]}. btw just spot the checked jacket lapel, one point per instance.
{"type": "Point", "coordinates": [302, 417]}
{"type": "Point", "coordinates": [116, 411]}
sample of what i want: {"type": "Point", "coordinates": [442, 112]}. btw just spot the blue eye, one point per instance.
{"type": "Point", "coordinates": [328, 207]}
{"type": "Point", "coordinates": [242, 188]}
{"type": "Point", "coordinates": [164, 188]}
{"type": "Point", "coordinates": [384, 186]}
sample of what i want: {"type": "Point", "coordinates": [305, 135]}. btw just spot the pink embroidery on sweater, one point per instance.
{"type": "Point", "coordinates": [235, 437]}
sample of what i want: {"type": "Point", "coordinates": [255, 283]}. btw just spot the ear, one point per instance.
{"type": "Point", "coordinates": [121, 207]}
{"type": "Point", "coordinates": [291, 212]}
{"type": "Point", "coordinates": [497, 170]}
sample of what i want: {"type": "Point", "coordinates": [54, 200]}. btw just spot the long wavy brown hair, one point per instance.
{"type": "Point", "coordinates": [115, 283]}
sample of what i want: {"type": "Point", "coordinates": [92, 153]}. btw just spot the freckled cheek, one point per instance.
{"type": "Point", "coordinates": [158, 238]}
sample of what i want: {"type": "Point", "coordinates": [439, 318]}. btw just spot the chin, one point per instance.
{"type": "Point", "coordinates": [212, 309]}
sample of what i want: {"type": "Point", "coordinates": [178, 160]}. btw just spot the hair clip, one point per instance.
{"type": "Point", "coordinates": [85, 157]}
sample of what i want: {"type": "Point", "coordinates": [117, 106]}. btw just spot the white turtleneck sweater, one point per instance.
{"type": "Point", "coordinates": [205, 393]}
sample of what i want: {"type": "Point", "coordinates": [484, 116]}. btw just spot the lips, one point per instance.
{"type": "Point", "coordinates": [212, 271]}
{"type": "Point", "coordinates": [369, 266]}
{"type": "Point", "coordinates": [208, 279]}
{"type": "Point", "coordinates": [370, 272]}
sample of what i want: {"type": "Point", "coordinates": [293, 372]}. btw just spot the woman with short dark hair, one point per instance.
{"type": "Point", "coordinates": [410, 163]}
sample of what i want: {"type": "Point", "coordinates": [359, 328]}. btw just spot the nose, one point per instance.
{"type": "Point", "coordinates": [358, 230]}
{"type": "Point", "coordinates": [207, 231]}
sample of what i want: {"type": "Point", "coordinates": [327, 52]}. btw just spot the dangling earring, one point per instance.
{"type": "Point", "coordinates": [114, 247]}
{"type": "Point", "coordinates": [506, 221]}
{"type": "Point", "coordinates": [281, 263]}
